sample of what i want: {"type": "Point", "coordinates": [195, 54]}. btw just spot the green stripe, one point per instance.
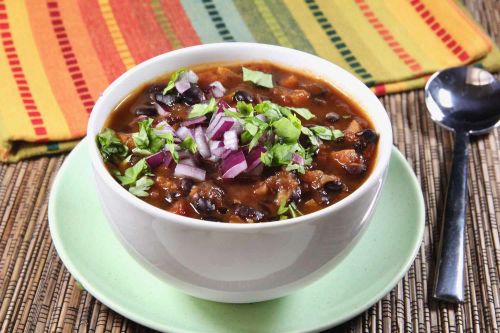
{"type": "Point", "coordinates": [164, 23]}
{"type": "Point", "coordinates": [255, 22]}
{"type": "Point", "coordinates": [52, 146]}
{"type": "Point", "coordinates": [337, 41]}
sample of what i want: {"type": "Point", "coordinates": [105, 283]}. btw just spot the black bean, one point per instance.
{"type": "Point", "coordinates": [156, 89]}
{"type": "Point", "coordinates": [146, 111]}
{"type": "Point", "coordinates": [222, 210]}
{"type": "Point", "coordinates": [193, 95]}
{"type": "Point", "coordinates": [323, 197]}
{"type": "Point", "coordinates": [186, 184]}
{"type": "Point", "coordinates": [171, 196]}
{"type": "Point", "coordinates": [296, 194]}
{"type": "Point", "coordinates": [355, 168]}
{"type": "Point", "coordinates": [368, 135]}
{"type": "Point", "coordinates": [359, 146]}
{"type": "Point", "coordinates": [319, 100]}
{"type": "Point", "coordinates": [332, 116]}
{"type": "Point", "coordinates": [333, 186]}
{"type": "Point", "coordinates": [167, 100]}
{"type": "Point", "coordinates": [246, 212]}
{"type": "Point", "coordinates": [242, 96]}
{"type": "Point", "coordinates": [204, 205]}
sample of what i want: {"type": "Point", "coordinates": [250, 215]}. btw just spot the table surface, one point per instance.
{"type": "Point", "coordinates": [37, 293]}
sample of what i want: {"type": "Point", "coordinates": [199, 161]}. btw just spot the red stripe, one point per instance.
{"type": "Point", "coordinates": [142, 33]}
{"type": "Point", "coordinates": [180, 22]}
{"type": "Point", "coordinates": [18, 74]}
{"type": "Point", "coordinates": [379, 89]}
{"type": "Point", "coordinates": [387, 36]}
{"type": "Point", "coordinates": [440, 32]}
{"type": "Point", "coordinates": [101, 39]}
{"type": "Point", "coordinates": [67, 51]}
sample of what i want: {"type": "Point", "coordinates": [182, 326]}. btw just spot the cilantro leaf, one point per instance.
{"type": "Point", "coordinates": [141, 186]}
{"type": "Point", "coordinates": [326, 133]}
{"type": "Point", "coordinates": [291, 209]}
{"type": "Point", "coordinates": [109, 145]}
{"type": "Point", "coordinates": [147, 142]}
{"type": "Point", "coordinates": [245, 109]}
{"type": "Point", "coordinates": [303, 112]}
{"type": "Point", "coordinates": [173, 78]}
{"type": "Point", "coordinates": [285, 128]}
{"type": "Point", "coordinates": [202, 109]}
{"type": "Point", "coordinates": [131, 174]}
{"type": "Point", "coordinates": [259, 78]}
{"type": "Point", "coordinates": [312, 138]}
{"type": "Point", "coordinates": [170, 145]}
{"type": "Point", "coordinates": [336, 133]}
{"type": "Point", "coordinates": [189, 144]}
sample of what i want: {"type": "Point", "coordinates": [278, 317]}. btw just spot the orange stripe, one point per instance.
{"type": "Point", "coordinates": [443, 35]}
{"type": "Point", "coordinates": [56, 69]}
{"type": "Point", "coordinates": [388, 37]}
{"type": "Point", "coordinates": [180, 23]}
{"type": "Point", "coordinates": [19, 76]}
{"type": "Point", "coordinates": [88, 59]}
{"type": "Point", "coordinates": [141, 32]}
{"type": "Point", "coordinates": [102, 41]}
{"type": "Point", "coordinates": [68, 54]}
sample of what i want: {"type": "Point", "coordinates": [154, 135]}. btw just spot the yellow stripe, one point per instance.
{"type": "Point", "coordinates": [40, 88]}
{"type": "Point", "coordinates": [273, 25]}
{"type": "Point", "coordinates": [313, 32]}
{"type": "Point", "coordinates": [355, 30]}
{"type": "Point", "coordinates": [433, 54]}
{"type": "Point", "coordinates": [116, 35]}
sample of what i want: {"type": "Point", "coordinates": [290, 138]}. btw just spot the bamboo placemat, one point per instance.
{"type": "Point", "coordinates": [37, 294]}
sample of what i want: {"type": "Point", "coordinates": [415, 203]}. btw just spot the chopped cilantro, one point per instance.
{"type": "Point", "coordinates": [133, 173]}
{"type": "Point", "coordinates": [141, 186]}
{"type": "Point", "coordinates": [259, 78]}
{"type": "Point", "coordinates": [303, 112]}
{"type": "Point", "coordinates": [173, 78]}
{"type": "Point", "coordinates": [147, 142]}
{"type": "Point", "coordinates": [202, 109]}
{"type": "Point", "coordinates": [286, 129]}
{"type": "Point", "coordinates": [326, 133]}
{"type": "Point", "coordinates": [170, 145]}
{"type": "Point", "coordinates": [291, 209]}
{"type": "Point", "coordinates": [189, 144]}
{"type": "Point", "coordinates": [245, 109]}
{"type": "Point", "coordinates": [109, 145]}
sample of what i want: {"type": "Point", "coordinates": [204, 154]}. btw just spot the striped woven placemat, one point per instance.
{"type": "Point", "coordinates": [37, 294]}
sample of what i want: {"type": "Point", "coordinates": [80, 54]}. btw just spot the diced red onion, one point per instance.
{"type": "Point", "coordinates": [167, 159]}
{"type": "Point", "coordinates": [297, 159]}
{"type": "Point", "coordinates": [222, 105]}
{"type": "Point", "coordinates": [217, 89]}
{"type": "Point", "coordinates": [214, 145]}
{"type": "Point", "coordinates": [161, 109]}
{"type": "Point", "coordinates": [234, 164]}
{"type": "Point", "coordinates": [253, 157]}
{"type": "Point", "coordinates": [137, 119]}
{"type": "Point", "coordinates": [184, 154]}
{"type": "Point", "coordinates": [182, 84]}
{"type": "Point", "coordinates": [191, 76]}
{"type": "Point", "coordinates": [188, 161]}
{"type": "Point", "coordinates": [231, 140]}
{"type": "Point", "coordinates": [183, 132]}
{"type": "Point", "coordinates": [224, 124]}
{"type": "Point", "coordinates": [163, 128]}
{"type": "Point", "coordinates": [226, 153]}
{"type": "Point", "coordinates": [257, 171]}
{"type": "Point", "coordinates": [214, 121]}
{"type": "Point", "coordinates": [194, 121]}
{"type": "Point", "coordinates": [184, 170]}
{"type": "Point", "coordinates": [201, 142]}
{"type": "Point", "coordinates": [156, 159]}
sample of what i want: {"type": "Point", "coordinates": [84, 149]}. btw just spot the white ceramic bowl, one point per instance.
{"type": "Point", "coordinates": [238, 263]}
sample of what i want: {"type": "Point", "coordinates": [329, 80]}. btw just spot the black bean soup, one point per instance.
{"type": "Point", "coordinates": [244, 143]}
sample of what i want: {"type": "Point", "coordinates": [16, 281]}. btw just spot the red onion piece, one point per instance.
{"type": "Point", "coordinates": [214, 145]}
{"type": "Point", "coordinates": [163, 128]}
{"type": "Point", "coordinates": [188, 161]}
{"type": "Point", "coordinates": [231, 140]}
{"type": "Point", "coordinates": [191, 76]}
{"type": "Point", "coordinates": [167, 159]}
{"type": "Point", "coordinates": [233, 165]}
{"type": "Point", "coordinates": [253, 157]}
{"type": "Point", "coordinates": [156, 159]}
{"type": "Point", "coordinates": [257, 171]}
{"type": "Point", "coordinates": [214, 121]}
{"type": "Point", "coordinates": [183, 132]}
{"type": "Point", "coordinates": [217, 89]}
{"type": "Point", "coordinates": [222, 105]}
{"type": "Point", "coordinates": [182, 84]}
{"type": "Point", "coordinates": [161, 109]}
{"type": "Point", "coordinates": [201, 142]}
{"type": "Point", "coordinates": [184, 170]}
{"type": "Point", "coordinates": [184, 154]}
{"type": "Point", "coordinates": [223, 125]}
{"type": "Point", "coordinates": [297, 159]}
{"type": "Point", "coordinates": [193, 121]}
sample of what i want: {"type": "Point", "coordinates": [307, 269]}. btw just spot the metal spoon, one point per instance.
{"type": "Point", "coordinates": [465, 100]}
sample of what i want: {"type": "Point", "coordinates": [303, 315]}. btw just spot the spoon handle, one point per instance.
{"type": "Point", "coordinates": [449, 278]}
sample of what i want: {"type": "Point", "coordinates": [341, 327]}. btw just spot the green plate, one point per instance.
{"type": "Point", "coordinates": [94, 256]}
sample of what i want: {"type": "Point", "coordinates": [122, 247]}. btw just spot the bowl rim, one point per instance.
{"type": "Point", "coordinates": [383, 150]}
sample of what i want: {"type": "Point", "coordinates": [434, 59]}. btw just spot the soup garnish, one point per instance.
{"type": "Point", "coordinates": [240, 143]}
